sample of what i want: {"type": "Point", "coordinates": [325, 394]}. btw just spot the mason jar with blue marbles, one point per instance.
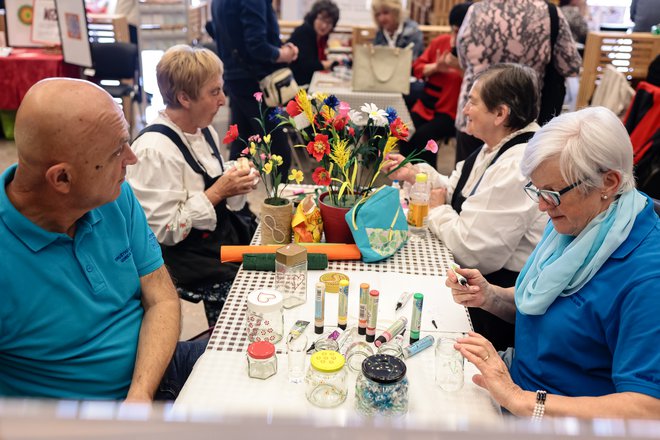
{"type": "Point", "coordinates": [382, 386]}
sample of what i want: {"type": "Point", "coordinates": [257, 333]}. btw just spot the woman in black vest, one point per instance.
{"type": "Point", "coordinates": [193, 200]}
{"type": "Point", "coordinates": [480, 211]}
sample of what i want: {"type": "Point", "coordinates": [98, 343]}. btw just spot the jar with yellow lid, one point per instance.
{"type": "Point", "coordinates": [325, 382]}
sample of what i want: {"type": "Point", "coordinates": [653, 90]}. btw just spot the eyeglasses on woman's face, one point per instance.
{"type": "Point", "coordinates": [551, 197]}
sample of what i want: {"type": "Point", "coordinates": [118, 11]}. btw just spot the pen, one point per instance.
{"type": "Point", "coordinates": [343, 304]}
{"type": "Point", "coordinates": [461, 279]}
{"type": "Point", "coordinates": [416, 320]}
{"type": "Point", "coordinates": [418, 346]}
{"type": "Point", "coordinates": [403, 300]}
{"type": "Point", "coordinates": [319, 303]}
{"type": "Point", "coordinates": [372, 316]}
{"type": "Point", "coordinates": [362, 321]}
{"type": "Point", "coordinates": [396, 328]}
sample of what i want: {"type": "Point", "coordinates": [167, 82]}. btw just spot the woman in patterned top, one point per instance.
{"type": "Point", "coordinates": [575, 12]}
{"type": "Point", "coordinates": [505, 31]}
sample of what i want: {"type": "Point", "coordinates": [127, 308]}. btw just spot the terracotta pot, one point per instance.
{"type": "Point", "coordinates": [334, 222]}
{"type": "Point", "coordinates": [275, 222]}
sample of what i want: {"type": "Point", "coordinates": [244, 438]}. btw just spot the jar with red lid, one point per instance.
{"type": "Point", "coordinates": [261, 359]}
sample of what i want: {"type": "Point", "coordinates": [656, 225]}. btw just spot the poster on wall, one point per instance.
{"type": "Point", "coordinates": [44, 23]}
{"type": "Point", "coordinates": [19, 15]}
{"type": "Point", "coordinates": [73, 32]}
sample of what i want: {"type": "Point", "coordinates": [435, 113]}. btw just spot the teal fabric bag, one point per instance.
{"type": "Point", "coordinates": [378, 224]}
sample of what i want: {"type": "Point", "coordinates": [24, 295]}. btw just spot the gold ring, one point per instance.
{"type": "Point", "coordinates": [486, 358]}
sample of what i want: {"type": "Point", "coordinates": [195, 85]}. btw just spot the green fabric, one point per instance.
{"type": "Point", "coordinates": [266, 262]}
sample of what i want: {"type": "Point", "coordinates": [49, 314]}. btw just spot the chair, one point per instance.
{"type": "Point", "coordinates": [118, 62]}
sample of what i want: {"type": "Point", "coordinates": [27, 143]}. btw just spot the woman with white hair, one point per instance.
{"type": "Point", "coordinates": [394, 28]}
{"type": "Point", "coordinates": [585, 303]}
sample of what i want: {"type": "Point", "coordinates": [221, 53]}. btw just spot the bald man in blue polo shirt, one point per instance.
{"type": "Point", "coordinates": [87, 309]}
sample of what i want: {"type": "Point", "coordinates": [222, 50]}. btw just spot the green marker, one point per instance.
{"type": "Point", "coordinates": [416, 321]}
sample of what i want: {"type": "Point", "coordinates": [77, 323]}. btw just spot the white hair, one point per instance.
{"type": "Point", "coordinates": [588, 143]}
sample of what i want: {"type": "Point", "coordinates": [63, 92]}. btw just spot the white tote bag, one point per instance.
{"type": "Point", "coordinates": [381, 69]}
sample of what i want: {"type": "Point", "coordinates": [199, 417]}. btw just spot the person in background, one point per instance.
{"type": "Point", "coordinates": [435, 111]}
{"type": "Point", "coordinates": [394, 29]}
{"type": "Point", "coordinates": [88, 309]}
{"type": "Point", "coordinates": [575, 12]}
{"type": "Point", "coordinates": [479, 212]}
{"type": "Point", "coordinates": [645, 14]}
{"type": "Point", "coordinates": [248, 39]}
{"type": "Point", "coordinates": [311, 38]}
{"type": "Point", "coordinates": [504, 31]}
{"type": "Point", "coordinates": [191, 199]}
{"type": "Point", "coordinates": [586, 317]}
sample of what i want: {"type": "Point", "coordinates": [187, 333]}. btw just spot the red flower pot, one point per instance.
{"type": "Point", "coordinates": [334, 222]}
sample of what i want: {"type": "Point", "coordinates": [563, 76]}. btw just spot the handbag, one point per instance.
{"type": "Point", "coordinates": [279, 87]}
{"type": "Point", "coordinates": [554, 84]}
{"type": "Point", "coordinates": [378, 224]}
{"type": "Point", "coordinates": [381, 69]}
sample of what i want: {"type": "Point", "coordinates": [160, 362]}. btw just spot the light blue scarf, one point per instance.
{"type": "Point", "coordinates": [561, 264]}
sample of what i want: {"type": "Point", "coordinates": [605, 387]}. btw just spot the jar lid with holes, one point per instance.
{"type": "Point", "coordinates": [327, 361]}
{"type": "Point", "coordinates": [264, 301]}
{"type": "Point", "coordinates": [383, 368]}
{"type": "Point", "coordinates": [261, 350]}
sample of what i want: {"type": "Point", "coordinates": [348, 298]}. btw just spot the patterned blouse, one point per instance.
{"type": "Point", "coordinates": [511, 31]}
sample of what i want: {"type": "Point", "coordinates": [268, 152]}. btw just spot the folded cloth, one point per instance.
{"type": "Point", "coordinates": [334, 251]}
{"type": "Point", "coordinates": [266, 262]}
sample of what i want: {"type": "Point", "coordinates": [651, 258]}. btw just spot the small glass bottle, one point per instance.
{"type": "Point", "coordinates": [265, 317]}
{"type": "Point", "coordinates": [418, 211]}
{"type": "Point", "coordinates": [356, 354]}
{"type": "Point", "coordinates": [393, 347]}
{"type": "Point", "coordinates": [262, 362]}
{"type": "Point", "coordinates": [382, 386]}
{"type": "Point", "coordinates": [291, 274]}
{"type": "Point", "coordinates": [325, 382]}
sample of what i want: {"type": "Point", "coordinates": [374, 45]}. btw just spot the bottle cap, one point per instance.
{"type": "Point", "coordinates": [291, 254]}
{"type": "Point", "coordinates": [264, 301]}
{"type": "Point", "coordinates": [421, 177]}
{"type": "Point", "coordinates": [383, 368]}
{"type": "Point", "coordinates": [261, 350]}
{"type": "Point", "coordinates": [327, 361]}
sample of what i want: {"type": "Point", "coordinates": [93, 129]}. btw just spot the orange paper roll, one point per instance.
{"type": "Point", "coordinates": [334, 251]}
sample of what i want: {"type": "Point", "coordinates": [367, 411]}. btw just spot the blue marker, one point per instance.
{"type": "Point", "coordinates": [422, 344]}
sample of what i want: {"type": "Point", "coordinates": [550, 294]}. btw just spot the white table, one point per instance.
{"type": "Point", "coordinates": [219, 383]}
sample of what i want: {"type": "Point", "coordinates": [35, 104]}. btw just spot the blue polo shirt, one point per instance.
{"type": "Point", "coordinates": [70, 308]}
{"type": "Point", "coordinates": [604, 338]}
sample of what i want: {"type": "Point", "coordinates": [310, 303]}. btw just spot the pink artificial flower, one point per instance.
{"type": "Point", "coordinates": [344, 108]}
{"type": "Point", "coordinates": [254, 138]}
{"type": "Point", "coordinates": [431, 146]}
{"type": "Point", "coordinates": [263, 156]}
{"type": "Point", "coordinates": [246, 151]}
{"type": "Point", "coordinates": [258, 96]}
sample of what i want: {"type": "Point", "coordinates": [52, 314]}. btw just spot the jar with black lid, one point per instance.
{"type": "Point", "coordinates": [382, 386]}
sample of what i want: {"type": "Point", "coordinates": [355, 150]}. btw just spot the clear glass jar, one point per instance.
{"type": "Point", "coordinates": [291, 274]}
{"type": "Point", "coordinates": [325, 382]}
{"type": "Point", "coordinates": [357, 352]}
{"type": "Point", "coordinates": [325, 344]}
{"type": "Point", "coordinates": [449, 364]}
{"type": "Point", "coordinates": [265, 317]}
{"type": "Point", "coordinates": [393, 348]}
{"type": "Point", "coordinates": [262, 362]}
{"type": "Point", "coordinates": [382, 386]}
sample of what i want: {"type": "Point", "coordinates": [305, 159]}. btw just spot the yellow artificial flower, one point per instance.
{"type": "Point", "coordinates": [268, 167]}
{"type": "Point", "coordinates": [277, 159]}
{"type": "Point", "coordinates": [340, 153]}
{"type": "Point", "coordinates": [305, 105]}
{"type": "Point", "coordinates": [296, 175]}
{"type": "Point", "coordinates": [267, 139]}
{"type": "Point", "coordinates": [253, 148]}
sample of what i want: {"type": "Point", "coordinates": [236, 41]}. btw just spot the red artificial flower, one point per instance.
{"type": "Point", "coordinates": [340, 122]}
{"type": "Point", "coordinates": [293, 109]}
{"type": "Point", "coordinates": [319, 147]}
{"type": "Point", "coordinates": [351, 131]}
{"type": "Point", "coordinates": [321, 176]}
{"type": "Point", "coordinates": [399, 129]}
{"type": "Point", "coordinates": [232, 134]}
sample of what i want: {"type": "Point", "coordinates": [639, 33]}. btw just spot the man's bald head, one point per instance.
{"type": "Point", "coordinates": [59, 119]}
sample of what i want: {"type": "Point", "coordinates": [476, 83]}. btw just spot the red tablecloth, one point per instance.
{"type": "Point", "coordinates": [23, 68]}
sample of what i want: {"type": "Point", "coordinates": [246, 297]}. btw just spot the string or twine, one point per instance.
{"type": "Point", "coordinates": [276, 224]}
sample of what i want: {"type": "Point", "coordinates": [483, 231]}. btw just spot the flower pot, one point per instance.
{"type": "Point", "coordinates": [275, 222]}
{"type": "Point", "coordinates": [334, 222]}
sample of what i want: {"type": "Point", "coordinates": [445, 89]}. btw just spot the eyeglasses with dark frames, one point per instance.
{"type": "Point", "coordinates": [551, 197]}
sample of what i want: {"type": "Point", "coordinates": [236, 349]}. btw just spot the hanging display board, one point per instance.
{"type": "Point", "coordinates": [19, 15]}
{"type": "Point", "coordinates": [44, 23]}
{"type": "Point", "coordinates": [73, 32]}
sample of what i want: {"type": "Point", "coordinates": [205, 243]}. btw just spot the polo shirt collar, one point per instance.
{"type": "Point", "coordinates": [33, 236]}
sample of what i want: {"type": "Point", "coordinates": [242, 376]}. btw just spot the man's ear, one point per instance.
{"type": "Point", "coordinates": [58, 177]}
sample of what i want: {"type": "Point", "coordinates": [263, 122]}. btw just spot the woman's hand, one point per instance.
{"type": "Point", "coordinates": [233, 182]}
{"type": "Point", "coordinates": [405, 173]}
{"type": "Point", "coordinates": [494, 375]}
{"type": "Point", "coordinates": [438, 197]}
{"type": "Point", "coordinates": [475, 294]}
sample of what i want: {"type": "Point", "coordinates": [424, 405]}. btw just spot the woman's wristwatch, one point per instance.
{"type": "Point", "coordinates": [539, 408]}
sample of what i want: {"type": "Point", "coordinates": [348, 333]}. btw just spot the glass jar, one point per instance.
{"type": "Point", "coordinates": [356, 354]}
{"type": "Point", "coordinates": [265, 318]}
{"type": "Point", "coordinates": [382, 386]}
{"type": "Point", "coordinates": [262, 362]}
{"type": "Point", "coordinates": [449, 364]}
{"type": "Point", "coordinates": [325, 344]}
{"type": "Point", "coordinates": [393, 348]}
{"type": "Point", "coordinates": [291, 274]}
{"type": "Point", "coordinates": [325, 382]}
